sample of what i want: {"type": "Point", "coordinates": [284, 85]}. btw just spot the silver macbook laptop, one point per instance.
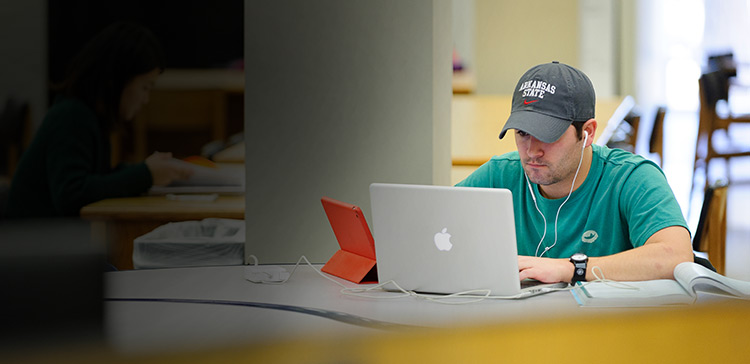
{"type": "Point", "coordinates": [447, 240]}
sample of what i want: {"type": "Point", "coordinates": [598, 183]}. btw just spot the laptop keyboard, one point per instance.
{"type": "Point", "coordinates": [527, 283]}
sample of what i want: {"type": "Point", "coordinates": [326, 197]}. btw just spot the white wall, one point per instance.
{"type": "Point", "coordinates": [628, 34]}
{"type": "Point", "coordinates": [503, 38]}
{"type": "Point", "coordinates": [599, 45]}
{"type": "Point", "coordinates": [464, 31]}
{"type": "Point", "coordinates": [339, 94]}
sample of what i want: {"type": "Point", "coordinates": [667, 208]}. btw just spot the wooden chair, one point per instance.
{"type": "Point", "coordinates": [626, 133]}
{"type": "Point", "coordinates": [714, 86]}
{"type": "Point", "coordinates": [656, 142]}
{"type": "Point", "coordinates": [710, 235]}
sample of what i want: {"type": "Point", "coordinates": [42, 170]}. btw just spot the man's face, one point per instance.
{"type": "Point", "coordinates": [548, 164]}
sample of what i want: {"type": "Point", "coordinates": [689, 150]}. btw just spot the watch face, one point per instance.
{"type": "Point", "coordinates": [578, 256]}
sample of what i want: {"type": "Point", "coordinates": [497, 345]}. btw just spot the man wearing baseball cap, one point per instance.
{"type": "Point", "coordinates": [579, 205]}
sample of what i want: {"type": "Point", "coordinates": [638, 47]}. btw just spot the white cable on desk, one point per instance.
{"type": "Point", "coordinates": [470, 296]}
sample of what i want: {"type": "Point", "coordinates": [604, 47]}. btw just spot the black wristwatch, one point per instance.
{"type": "Point", "coordinates": [579, 261]}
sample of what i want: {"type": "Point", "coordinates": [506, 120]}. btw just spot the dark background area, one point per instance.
{"type": "Point", "coordinates": [52, 285]}
{"type": "Point", "coordinates": [194, 34]}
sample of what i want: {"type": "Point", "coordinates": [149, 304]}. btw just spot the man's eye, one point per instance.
{"type": "Point", "coordinates": [521, 133]}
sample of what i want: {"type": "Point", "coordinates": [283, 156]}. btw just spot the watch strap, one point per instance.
{"type": "Point", "coordinates": [579, 270]}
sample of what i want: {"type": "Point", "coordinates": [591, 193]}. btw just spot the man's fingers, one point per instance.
{"type": "Point", "coordinates": [524, 274]}
{"type": "Point", "coordinates": [524, 262]}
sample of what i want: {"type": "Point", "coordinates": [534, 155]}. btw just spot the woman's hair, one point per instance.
{"type": "Point", "coordinates": [98, 74]}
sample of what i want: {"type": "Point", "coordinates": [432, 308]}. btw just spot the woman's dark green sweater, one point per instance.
{"type": "Point", "coordinates": [68, 166]}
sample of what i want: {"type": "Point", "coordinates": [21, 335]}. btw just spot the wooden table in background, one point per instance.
{"type": "Point", "coordinates": [116, 222]}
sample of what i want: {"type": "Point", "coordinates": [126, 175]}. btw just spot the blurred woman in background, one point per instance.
{"type": "Point", "coordinates": [67, 165]}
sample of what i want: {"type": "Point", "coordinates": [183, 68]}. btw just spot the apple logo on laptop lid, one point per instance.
{"type": "Point", "coordinates": [443, 240]}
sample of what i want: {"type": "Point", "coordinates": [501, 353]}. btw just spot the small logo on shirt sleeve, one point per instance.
{"type": "Point", "coordinates": [589, 236]}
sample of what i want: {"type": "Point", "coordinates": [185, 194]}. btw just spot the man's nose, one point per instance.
{"type": "Point", "coordinates": [535, 147]}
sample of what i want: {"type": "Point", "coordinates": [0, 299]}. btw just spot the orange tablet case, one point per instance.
{"type": "Point", "coordinates": [355, 260]}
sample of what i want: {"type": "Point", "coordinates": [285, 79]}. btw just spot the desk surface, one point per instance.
{"type": "Point", "coordinates": [308, 317]}
{"type": "Point", "coordinates": [323, 310]}
{"type": "Point", "coordinates": [464, 82]}
{"type": "Point", "coordinates": [229, 80]}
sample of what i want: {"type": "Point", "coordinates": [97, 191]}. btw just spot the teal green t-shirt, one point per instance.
{"type": "Point", "coordinates": [623, 201]}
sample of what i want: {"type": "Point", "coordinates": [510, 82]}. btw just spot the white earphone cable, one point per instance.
{"type": "Point", "coordinates": [468, 296]}
{"type": "Point", "coordinates": [580, 162]}
{"type": "Point", "coordinates": [544, 219]}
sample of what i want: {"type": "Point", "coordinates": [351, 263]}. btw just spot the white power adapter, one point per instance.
{"type": "Point", "coordinates": [265, 273]}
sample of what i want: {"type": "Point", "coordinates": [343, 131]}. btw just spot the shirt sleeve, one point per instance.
{"type": "Point", "coordinates": [481, 177]}
{"type": "Point", "coordinates": [648, 204]}
{"type": "Point", "coordinates": [498, 172]}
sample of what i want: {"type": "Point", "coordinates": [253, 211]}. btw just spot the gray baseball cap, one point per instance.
{"type": "Point", "coordinates": [548, 98]}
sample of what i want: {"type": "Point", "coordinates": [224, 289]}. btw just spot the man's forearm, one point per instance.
{"type": "Point", "coordinates": [654, 260]}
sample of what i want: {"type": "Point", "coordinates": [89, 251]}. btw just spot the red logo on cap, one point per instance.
{"type": "Point", "coordinates": [526, 102]}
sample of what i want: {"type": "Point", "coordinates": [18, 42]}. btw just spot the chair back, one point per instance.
{"type": "Point", "coordinates": [625, 135]}
{"type": "Point", "coordinates": [710, 235]}
{"type": "Point", "coordinates": [656, 142]}
{"type": "Point", "coordinates": [714, 87]}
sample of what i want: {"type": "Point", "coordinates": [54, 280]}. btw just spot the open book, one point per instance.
{"type": "Point", "coordinates": [690, 278]}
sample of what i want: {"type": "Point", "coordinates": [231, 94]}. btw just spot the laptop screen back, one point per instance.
{"type": "Point", "coordinates": [445, 239]}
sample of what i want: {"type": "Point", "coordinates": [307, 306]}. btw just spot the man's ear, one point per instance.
{"type": "Point", "coordinates": [589, 127]}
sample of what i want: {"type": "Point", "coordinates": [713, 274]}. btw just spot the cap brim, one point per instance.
{"type": "Point", "coordinates": [548, 129]}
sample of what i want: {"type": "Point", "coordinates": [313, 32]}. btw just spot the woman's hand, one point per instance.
{"type": "Point", "coordinates": [164, 170]}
